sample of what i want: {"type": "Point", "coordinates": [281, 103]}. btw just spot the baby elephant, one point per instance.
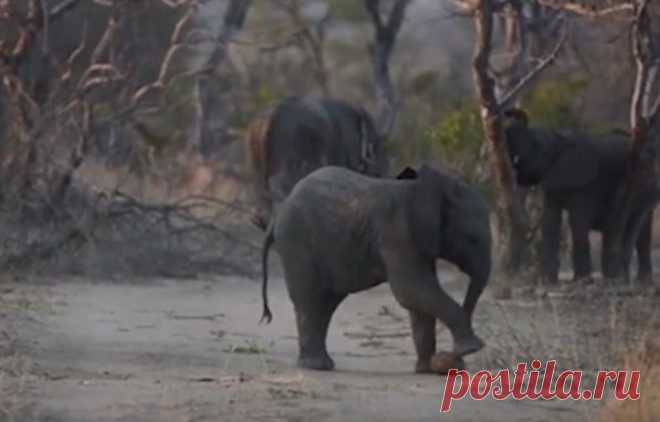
{"type": "Point", "coordinates": [340, 232]}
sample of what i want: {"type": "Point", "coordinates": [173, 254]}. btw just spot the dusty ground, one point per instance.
{"type": "Point", "coordinates": [191, 350]}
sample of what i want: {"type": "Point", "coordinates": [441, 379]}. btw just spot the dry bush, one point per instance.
{"type": "Point", "coordinates": [72, 198]}
{"type": "Point", "coordinates": [148, 232]}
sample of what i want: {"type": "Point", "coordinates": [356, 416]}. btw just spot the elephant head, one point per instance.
{"type": "Point", "coordinates": [548, 158]}
{"type": "Point", "coordinates": [450, 220]}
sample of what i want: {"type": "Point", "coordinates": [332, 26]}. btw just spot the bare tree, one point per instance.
{"type": "Point", "coordinates": [92, 86]}
{"type": "Point", "coordinates": [512, 221]}
{"type": "Point", "coordinates": [381, 50]}
{"type": "Point", "coordinates": [38, 154]}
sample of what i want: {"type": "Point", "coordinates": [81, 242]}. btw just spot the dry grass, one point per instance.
{"type": "Point", "coordinates": [647, 409]}
{"type": "Point", "coordinates": [602, 326]}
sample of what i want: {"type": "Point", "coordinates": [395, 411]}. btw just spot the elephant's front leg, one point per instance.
{"type": "Point", "coordinates": [416, 288]}
{"type": "Point", "coordinates": [579, 222]}
{"type": "Point", "coordinates": [423, 332]}
{"type": "Point", "coordinates": [313, 314]}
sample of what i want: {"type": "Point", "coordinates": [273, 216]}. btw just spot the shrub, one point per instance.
{"type": "Point", "coordinates": [554, 104]}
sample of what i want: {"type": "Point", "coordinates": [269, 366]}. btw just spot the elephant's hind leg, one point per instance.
{"type": "Point", "coordinates": [313, 318]}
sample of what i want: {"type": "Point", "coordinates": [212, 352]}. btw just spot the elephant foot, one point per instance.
{"type": "Point", "coordinates": [319, 363]}
{"type": "Point", "coordinates": [467, 345]}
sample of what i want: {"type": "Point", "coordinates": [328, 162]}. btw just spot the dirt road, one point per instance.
{"type": "Point", "coordinates": [193, 351]}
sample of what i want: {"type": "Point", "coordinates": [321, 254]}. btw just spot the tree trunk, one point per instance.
{"type": "Point", "coordinates": [510, 215]}
{"type": "Point", "coordinates": [639, 193]}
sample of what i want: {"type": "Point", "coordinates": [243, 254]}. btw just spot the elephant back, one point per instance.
{"type": "Point", "coordinates": [349, 237]}
{"type": "Point", "coordinates": [299, 140]}
{"type": "Point", "coordinates": [302, 134]}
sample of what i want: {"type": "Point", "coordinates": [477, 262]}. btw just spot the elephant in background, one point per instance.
{"type": "Point", "coordinates": [340, 232]}
{"type": "Point", "coordinates": [301, 134]}
{"type": "Point", "coordinates": [579, 174]}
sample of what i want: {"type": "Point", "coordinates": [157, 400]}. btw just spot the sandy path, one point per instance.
{"type": "Point", "coordinates": [193, 351]}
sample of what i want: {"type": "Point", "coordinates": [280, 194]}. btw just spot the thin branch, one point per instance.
{"type": "Point", "coordinates": [509, 97]}
{"type": "Point", "coordinates": [648, 89]}
{"type": "Point", "coordinates": [372, 7]}
{"type": "Point", "coordinates": [46, 26]}
{"type": "Point", "coordinates": [62, 8]}
{"type": "Point", "coordinates": [653, 112]}
{"type": "Point", "coordinates": [397, 15]}
{"type": "Point", "coordinates": [105, 41]}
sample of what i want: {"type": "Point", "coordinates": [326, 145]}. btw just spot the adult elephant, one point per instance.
{"type": "Point", "coordinates": [301, 134]}
{"type": "Point", "coordinates": [581, 175]}
{"type": "Point", "coordinates": [340, 232]}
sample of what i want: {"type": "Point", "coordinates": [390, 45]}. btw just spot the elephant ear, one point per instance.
{"type": "Point", "coordinates": [429, 211]}
{"type": "Point", "coordinates": [574, 167]}
{"type": "Point", "coordinates": [407, 174]}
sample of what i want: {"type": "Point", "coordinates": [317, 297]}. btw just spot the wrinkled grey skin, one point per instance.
{"type": "Point", "coordinates": [340, 232]}
{"type": "Point", "coordinates": [581, 175]}
{"type": "Point", "coordinates": [307, 133]}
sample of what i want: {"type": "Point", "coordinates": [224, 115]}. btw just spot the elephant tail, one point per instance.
{"type": "Point", "coordinates": [267, 315]}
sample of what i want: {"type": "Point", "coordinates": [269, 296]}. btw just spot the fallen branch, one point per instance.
{"type": "Point", "coordinates": [589, 11]}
